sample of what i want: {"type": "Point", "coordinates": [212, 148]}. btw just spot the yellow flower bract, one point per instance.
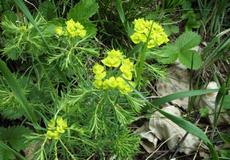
{"type": "Point", "coordinates": [56, 128]}
{"type": "Point", "coordinates": [75, 29]}
{"type": "Point", "coordinates": [59, 31]}
{"type": "Point", "coordinates": [115, 58]}
{"type": "Point", "coordinates": [149, 32]}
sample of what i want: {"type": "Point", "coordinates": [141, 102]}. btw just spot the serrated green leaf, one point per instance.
{"type": "Point", "coordinates": [83, 10]}
{"type": "Point", "coordinates": [188, 40]}
{"type": "Point", "coordinates": [15, 136]}
{"type": "Point", "coordinates": [91, 28]}
{"type": "Point", "coordinates": [5, 154]}
{"type": "Point", "coordinates": [167, 54]}
{"type": "Point", "coordinates": [170, 29]}
{"type": "Point", "coordinates": [191, 59]}
{"type": "Point", "coordinates": [48, 10]}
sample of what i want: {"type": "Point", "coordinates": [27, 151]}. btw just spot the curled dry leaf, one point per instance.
{"type": "Point", "coordinates": [209, 101]}
{"type": "Point", "coordinates": [165, 129]}
{"type": "Point", "coordinates": [161, 128]}
{"type": "Point", "coordinates": [151, 140]}
{"type": "Point", "coordinates": [178, 81]}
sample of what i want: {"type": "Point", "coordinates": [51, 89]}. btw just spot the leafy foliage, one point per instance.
{"type": "Point", "coordinates": [78, 13]}
{"type": "Point", "coordinates": [55, 95]}
{"type": "Point", "coordinates": [183, 48]}
{"type": "Point", "coordinates": [15, 138]}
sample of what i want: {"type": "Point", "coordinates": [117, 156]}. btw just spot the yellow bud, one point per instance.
{"type": "Point", "coordinates": [98, 83]}
{"type": "Point", "coordinates": [97, 68]}
{"type": "Point", "coordinates": [100, 76]}
{"type": "Point", "coordinates": [106, 84]}
{"type": "Point", "coordinates": [113, 59]}
{"type": "Point", "coordinates": [75, 29]}
{"type": "Point", "coordinates": [61, 122]}
{"type": "Point", "coordinates": [59, 31]}
{"type": "Point", "coordinates": [148, 30]}
{"type": "Point", "coordinates": [112, 82]}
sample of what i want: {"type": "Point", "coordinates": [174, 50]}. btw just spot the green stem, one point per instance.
{"type": "Point", "coordinates": [140, 64]}
{"type": "Point", "coordinates": [141, 58]}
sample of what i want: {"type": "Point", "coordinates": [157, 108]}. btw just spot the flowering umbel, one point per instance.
{"type": "Point", "coordinates": [122, 80]}
{"type": "Point", "coordinates": [72, 29]}
{"type": "Point", "coordinates": [56, 128]}
{"type": "Point", "coordinates": [148, 31]}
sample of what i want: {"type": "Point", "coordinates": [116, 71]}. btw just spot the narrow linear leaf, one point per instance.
{"type": "Point", "coordinates": [178, 95]}
{"type": "Point", "coordinates": [120, 10]}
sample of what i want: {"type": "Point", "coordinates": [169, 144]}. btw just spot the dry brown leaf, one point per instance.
{"type": "Point", "coordinates": [165, 129]}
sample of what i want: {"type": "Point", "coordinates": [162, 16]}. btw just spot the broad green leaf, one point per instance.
{"type": "Point", "coordinates": [170, 29]}
{"type": "Point", "coordinates": [91, 28]}
{"type": "Point", "coordinates": [191, 59]}
{"type": "Point", "coordinates": [179, 95]}
{"type": "Point", "coordinates": [188, 40]}
{"type": "Point", "coordinates": [5, 152]}
{"type": "Point", "coordinates": [167, 54]}
{"type": "Point", "coordinates": [48, 10]}
{"type": "Point", "coordinates": [83, 10]}
{"type": "Point", "coordinates": [15, 136]}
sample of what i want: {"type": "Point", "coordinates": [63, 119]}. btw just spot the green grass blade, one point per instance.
{"type": "Point", "coordinates": [16, 88]}
{"type": "Point", "coordinates": [120, 10]}
{"type": "Point", "coordinates": [178, 95]}
{"type": "Point", "coordinates": [121, 13]}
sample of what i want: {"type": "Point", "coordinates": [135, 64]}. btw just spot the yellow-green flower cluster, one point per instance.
{"type": "Point", "coordinates": [73, 29]}
{"type": "Point", "coordinates": [56, 128]}
{"type": "Point", "coordinates": [114, 59]}
{"type": "Point", "coordinates": [147, 30]}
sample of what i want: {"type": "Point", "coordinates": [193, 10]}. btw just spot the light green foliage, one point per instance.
{"type": "Point", "coordinates": [183, 48]}
{"type": "Point", "coordinates": [78, 13]}
{"type": "Point", "coordinates": [48, 10]}
{"type": "Point", "coordinates": [187, 41]}
{"type": "Point", "coordinates": [47, 77]}
{"type": "Point", "coordinates": [10, 107]}
{"type": "Point", "coordinates": [203, 111]}
{"type": "Point", "coordinates": [22, 38]}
